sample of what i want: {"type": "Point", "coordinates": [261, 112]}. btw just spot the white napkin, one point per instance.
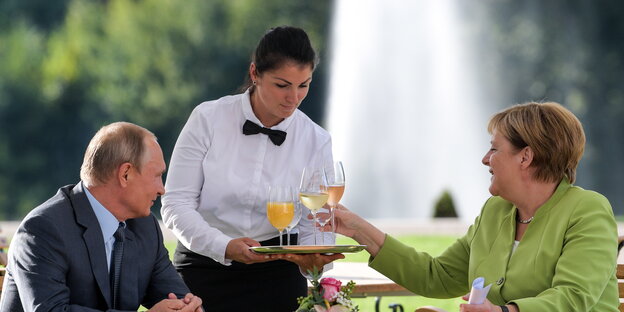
{"type": "Point", "coordinates": [478, 293]}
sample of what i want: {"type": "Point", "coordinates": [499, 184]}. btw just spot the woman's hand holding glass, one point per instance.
{"type": "Point", "coordinates": [345, 222]}
{"type": "Point", "coordinates": [351, 225]}
{"type": "Point", "coordinates": [323, 216]}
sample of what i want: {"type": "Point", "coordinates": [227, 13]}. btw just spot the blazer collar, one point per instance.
{"type": "Point", "coordinates": [92, 236]}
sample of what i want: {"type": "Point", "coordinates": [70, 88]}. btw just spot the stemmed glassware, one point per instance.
{"type": "Point", "coordinates": [280, 207]}
{"type": "Point", "coordinates": [323, 216]}
{"type": "Point", "coordinates": [336, 180]}
{"type": "Point", "coordinates": [313, 192]}
{"type": "Point", "coordinates": [294, 222]}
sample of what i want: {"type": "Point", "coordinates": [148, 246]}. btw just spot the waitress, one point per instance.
{"type": "Point", "coordinates": [227, 155]}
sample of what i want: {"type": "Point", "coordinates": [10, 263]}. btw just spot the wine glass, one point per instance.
{"type": "Point", "coordinates": [336, 180]}
{"type": "Point", "coordinates": [280, 207]}
{"type": "Point", "coordinates": [323, 216]}
{"type": "Point", "coordinates": [313, 191]}
{"type": "Point", "coordinates": [294, 222]}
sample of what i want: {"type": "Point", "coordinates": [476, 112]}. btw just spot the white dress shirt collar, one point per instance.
{"type": "Point", "coordinates": [108, 223]}
{"type": "Point", "coordinates": [250, 115]}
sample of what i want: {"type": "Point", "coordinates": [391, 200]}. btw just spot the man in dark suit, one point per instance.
{"type": "Point", "coordinates": [95, 246]}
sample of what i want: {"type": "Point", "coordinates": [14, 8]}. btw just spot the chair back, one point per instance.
{"type": "Point", "coordinates": [619, 273]}
{"type": "Point", "coordinates": [2, 271]}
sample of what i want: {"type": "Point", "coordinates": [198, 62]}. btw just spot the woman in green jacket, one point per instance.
{"type": "Point", "coordinates": [543, 244]}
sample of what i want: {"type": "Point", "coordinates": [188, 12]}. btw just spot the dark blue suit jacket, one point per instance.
{"type": "Point", "coordinates": [57, 261]}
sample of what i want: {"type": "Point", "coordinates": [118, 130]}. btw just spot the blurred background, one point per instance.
{"type": "Point", "coordinates": [405, 87]}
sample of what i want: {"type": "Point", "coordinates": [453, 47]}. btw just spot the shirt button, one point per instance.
{"type": "Point", "coordinates": [500, 281]}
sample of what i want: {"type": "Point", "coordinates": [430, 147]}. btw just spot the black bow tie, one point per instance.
{"type": "Point", "coordinates": [276, 136]}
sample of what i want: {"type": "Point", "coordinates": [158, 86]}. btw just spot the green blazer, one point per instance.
{"type": "Point", "coordinates": [565, 261]}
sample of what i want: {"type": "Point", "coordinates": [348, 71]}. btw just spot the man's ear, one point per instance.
{"type": "Point", "coordinates": [526, 155]}
{"type": "Point", "coordinates": [123, 173]}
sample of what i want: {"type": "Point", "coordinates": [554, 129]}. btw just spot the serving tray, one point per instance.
{"type": "Point", "coordinates": [307, 249]}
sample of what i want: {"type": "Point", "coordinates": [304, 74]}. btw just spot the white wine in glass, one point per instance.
{"type": "Point", "coordinates": [313, 191]}
{"type": "Point", "coordinates": [314, 201]}
{"type": "Point", "coordinates": [280, 208]}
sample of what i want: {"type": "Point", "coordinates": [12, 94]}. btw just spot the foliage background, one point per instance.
{"type": "Point", "coordinates": [67, 67]}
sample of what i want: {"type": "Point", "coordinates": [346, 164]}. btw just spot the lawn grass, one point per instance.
{"type": "Point", "coordinates": [434, 245]}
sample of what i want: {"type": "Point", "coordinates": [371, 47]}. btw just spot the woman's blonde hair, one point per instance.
{"type": "Point", "coordinates": [554, 134]}
{"type": "Point", "coordinates": [113, 145]}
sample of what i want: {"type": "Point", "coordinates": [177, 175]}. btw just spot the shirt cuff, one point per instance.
{"type": "Point", "coordinates": [220, 244]}
{"type": "Point", "coordinates": [214, 250]}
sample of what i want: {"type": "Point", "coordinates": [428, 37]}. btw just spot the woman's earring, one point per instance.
{"type": "Point", "coordinates": [254, 82]}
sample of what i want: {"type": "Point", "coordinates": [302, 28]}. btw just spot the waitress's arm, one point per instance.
{"type": "Point", "coordinates": [185, 179]}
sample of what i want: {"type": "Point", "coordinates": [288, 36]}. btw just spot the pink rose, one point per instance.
{"type": "Point", "coordinates": [331, 287]}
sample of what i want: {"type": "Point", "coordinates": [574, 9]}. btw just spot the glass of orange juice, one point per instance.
{"type": "Point", "coordinates": [280, 207]}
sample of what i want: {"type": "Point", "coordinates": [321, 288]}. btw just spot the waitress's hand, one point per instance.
{"type": "Point", "coordinates": [309, 261]}
{"type": "Point", "coordinates": [238, 250]}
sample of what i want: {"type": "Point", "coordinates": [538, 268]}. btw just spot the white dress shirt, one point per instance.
{"type": "Point", "coordinates": [218, 178]}
{"type": "Point", "coordinates": [108, 224]}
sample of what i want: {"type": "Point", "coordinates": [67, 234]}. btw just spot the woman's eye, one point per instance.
{"type": "Point", "coordinates": [281, 85]}
{"type": "Point", "coordinates": [303, 86]}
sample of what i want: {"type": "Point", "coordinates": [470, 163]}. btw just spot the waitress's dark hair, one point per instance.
{"type": "Point", "coordinates": [280, 45]}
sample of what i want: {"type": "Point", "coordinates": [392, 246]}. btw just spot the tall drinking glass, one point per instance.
{"type": "Point", "coordinates": [313, 192]}
{"type": "Point", "coordinates": [336, 180]}
{"type": "Point", "coordinates": [280, 207]}
{"type": "Point", "coordinates": [294, 222]}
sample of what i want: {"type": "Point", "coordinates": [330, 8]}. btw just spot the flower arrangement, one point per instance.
{"type": "Point", "coordinates": [327, 296]}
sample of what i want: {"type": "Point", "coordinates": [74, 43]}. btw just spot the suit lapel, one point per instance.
{"type": "Point", "coordinates": [93, 239]}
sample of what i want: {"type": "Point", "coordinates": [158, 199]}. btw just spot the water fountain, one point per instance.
{"type": "Point", "coordinates": [404, 109]}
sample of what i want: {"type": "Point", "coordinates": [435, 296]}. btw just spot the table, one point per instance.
{"type": "Point", "coordinates": [368, 282]}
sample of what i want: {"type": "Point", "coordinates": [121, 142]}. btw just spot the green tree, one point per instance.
{"type": "Point", "coordinates": [151, 62]}
{"type": "Point", "coordinates": [444, 206]}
